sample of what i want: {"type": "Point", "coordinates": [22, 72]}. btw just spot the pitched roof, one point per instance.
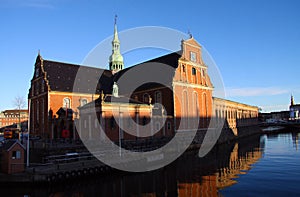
{"type": "Point", "coordinates": [165, 75]}
{"type": "Point", "coordinates": [8, 144]}
{"type": "Point", "coordinates": [63, 77]}
{"type": "Point", "coordinates": [295, 105]}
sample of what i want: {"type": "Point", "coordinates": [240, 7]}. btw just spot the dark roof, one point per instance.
{"type": "Point", "coordinates": [170, 59]}
{"type": "Point", "coordinates": [66, 77]}
{"type": "Point", "coordinates": [148, 72]}
{"type": "Point", "coordinates": [63, 77]}
{"type": "Point", "coordinates": [15, 110]}
{"type": "Point", "coordinates": [296, 105]}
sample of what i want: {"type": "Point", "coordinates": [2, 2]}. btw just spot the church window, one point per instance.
{"type": "Point", "coordinates": [37, 71]}
{"type": "Point", "coordinates": [112, 123]}
{"type": "Point", "coordinates": [37, 87]}
{"type": "Point", "coordinates": [146, 98]}
{"type": "Point", "coordinates": [66, 103]}
{"type": "Point", "coordinates": [168, 125]}
{"type": "Point", "coordinates": [144, 120]}
{"type": "Point", "coordinates": [83, 102]}
{"type": "Point", "coordinates": [193, 71]}
{"type": "Point", "coordinates": [96, 123]}
{"type": "Point", "coordinates": [193, 56]}
{"type": "Point", "coordinates": [43, 85]}
{"type": "Point", "coordinates": [157, 126]}
{"type": "Point", "coordinates": [158, 97]}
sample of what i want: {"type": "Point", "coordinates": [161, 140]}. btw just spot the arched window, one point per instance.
{"type": "Point", "coordinates": [112, 122]}
{"type": "Point", "coordinates": [96, 123]}
{"type": "Point", "coordinates": [203, 72]}
{"type": "Point", "coordinates": [157, 126]}
{"type": "Point", "coordinates": [66, 103]}
{"type": "Point", "coordinates": [144, 120]}
{"type": "Point", "coordinates": [193, 71]}
{"type": "Point", "coordinates": [185, 109]}
{"type": "Point", "coordinates": [193, 56]}
{"type": "Point", "coordinates": [83, 102]}
{"type": "Point", "coordinates": [196, 106]}
{"type": "Point", "coordinates": [168, 125]}
{"type": "Point", "coordinates": [146, 98]}
{"type": "Point", "coordinates": [43, 85]}
{"type": "Point", "coordinates": [158, 97]}
{"type": "Point", "coordinates": [205, 109]}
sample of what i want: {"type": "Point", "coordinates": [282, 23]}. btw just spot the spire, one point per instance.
{"type": "Point", "coordinates": [39, 58]}
{"type": "Point", "coordinates": [116, 59]}
{"type": "Point", "coordinates": [292, 100]}
{"type": "Point", "coordinates": [116, 37]}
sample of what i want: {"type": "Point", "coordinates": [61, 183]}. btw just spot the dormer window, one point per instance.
{"type": "Point", "coordinates": [193, 56]}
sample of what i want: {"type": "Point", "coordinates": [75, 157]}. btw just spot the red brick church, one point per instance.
{"type": "Point", "coordinates": [183, 97]}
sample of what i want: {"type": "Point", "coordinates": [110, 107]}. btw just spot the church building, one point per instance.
{"type": "Point", "coordinates": [180, 100]}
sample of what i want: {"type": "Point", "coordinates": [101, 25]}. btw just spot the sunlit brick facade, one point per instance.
{"type": "Point", "coordinates": [183, 98]}
{"type": "Point", "coordinates": [13, 117]}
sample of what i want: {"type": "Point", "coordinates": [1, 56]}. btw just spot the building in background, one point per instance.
{"type": "Point", "coordinates": [12, 157]}
{"type": "Point", "coordinates": [294, 110]}
{"type": "Point", "coordinates": [12, 117]}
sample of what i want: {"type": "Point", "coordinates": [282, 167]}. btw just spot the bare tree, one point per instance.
{"type": "Point", "coordinates": [19, 103]}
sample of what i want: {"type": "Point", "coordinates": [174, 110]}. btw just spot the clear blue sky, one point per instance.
{"type": "Point", "coordinates": [255, 43]}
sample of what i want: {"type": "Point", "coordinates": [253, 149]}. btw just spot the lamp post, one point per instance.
{"type": "Point", "coordinates": [28, 131]}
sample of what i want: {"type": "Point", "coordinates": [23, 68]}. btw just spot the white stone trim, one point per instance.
{"type": "Point", "coordinates": [191, 85]}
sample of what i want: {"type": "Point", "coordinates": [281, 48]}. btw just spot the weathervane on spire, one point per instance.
{"type": "Point", "coordinates": [190, 34]}
{"type": "Point", "coordinates": [116, 16]}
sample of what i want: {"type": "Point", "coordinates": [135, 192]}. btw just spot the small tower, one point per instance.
{"type": "Point", "coordinates": [116, 59]}
{"type": "Point", "coordinates": [292, 100]}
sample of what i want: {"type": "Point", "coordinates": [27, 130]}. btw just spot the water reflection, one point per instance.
{"type": "Point", "coordinates": [219, 169]}
{"type": "Point", "coordinates": [187, 176]}
{"type": "Point", "coordinates": [295, 138]}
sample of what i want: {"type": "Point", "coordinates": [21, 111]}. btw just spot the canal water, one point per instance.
{"type": "Point", "coordinates": [266, 165]}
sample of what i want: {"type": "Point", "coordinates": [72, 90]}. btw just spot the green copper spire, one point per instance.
{"type": "Point", "coordinates": [116, 59]}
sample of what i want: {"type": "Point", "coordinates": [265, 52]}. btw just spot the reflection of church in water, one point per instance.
{"type": "Point", "coordinates": [189, 176]}
{"type": "Point", "coordinates": [185, 92]}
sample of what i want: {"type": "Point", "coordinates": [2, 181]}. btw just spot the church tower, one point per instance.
{"type": "Point", "coordinates": [292, 100]}
{"type": "Point", "coordinates": [116, 59]}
